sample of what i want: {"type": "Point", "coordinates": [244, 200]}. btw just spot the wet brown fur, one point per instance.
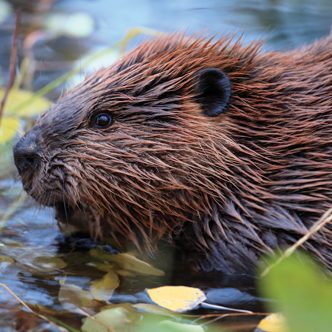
{"type": "Point", "coordinates": [223, 189]}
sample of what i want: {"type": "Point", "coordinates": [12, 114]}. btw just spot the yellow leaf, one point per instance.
{"type": "Point", "coordinates": [176, 298]}
{"type": "Point", "coordinates": [132, 263]}
{"type": "Point", "coordinates": [128, 262]}
{"type": "Point", "coordinates": [125, 273]}
{"type": "Point", "coordinates": [8, 129]}
{"type": "Point", "coordinates": [103, 288]}
{"type": "Point", "coordinates": [104, 267]}
{"type": "Point", "coordinates": [273, 323]}
{"type": "Point", "coordinates": [24, 103]}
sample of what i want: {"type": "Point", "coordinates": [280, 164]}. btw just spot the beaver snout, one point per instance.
{"type": "Point", "coordinates": [27, 154]}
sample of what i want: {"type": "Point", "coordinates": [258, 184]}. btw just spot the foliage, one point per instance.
{"type": "Point", "coordinates": [31, 107]}
{"type": "Point", "coordinates": [303, 294]}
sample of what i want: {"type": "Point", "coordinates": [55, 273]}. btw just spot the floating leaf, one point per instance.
{"type": "Point", "coordinates": [132, 263]}
{"type": "Point", "coordinates": [125, 273]}
{"type": "Point", "coordinates": [176, 298]}
{"type": "Point", "coordinates": [8, 129]}
{"type": "Point", "coordinates": [128, 262]}
{"type": "Point", "coordinates": [6, 259]}
{"type": "Point", "coordinates": [11, 243]}
{"type": "Point", "coordinates": [48, 263]}
{"type": "Point", "coordinates": [302, 293]}
{"type": "Point", "coordinates": [24, 103]}
{"type": "Point", "coordinates": [103, 288]}
{"type": "Point", "coordinates": [105, 267]}
{"type": "Point", "coordinates": [73, 297]}
{"type": "Point", "coordinates": [273, 323]}
{"type": "Point", "coordinates": [107, 320]}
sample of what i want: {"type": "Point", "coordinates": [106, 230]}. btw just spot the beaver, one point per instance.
{"type": "Point", "coordinates": [215, 147]}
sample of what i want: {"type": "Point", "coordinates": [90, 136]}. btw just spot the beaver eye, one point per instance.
{"type": "Point", "coordinates": [102, 120]}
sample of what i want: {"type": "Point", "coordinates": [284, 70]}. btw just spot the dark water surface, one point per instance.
{"type": "Point", "coordinates": [29, 239]}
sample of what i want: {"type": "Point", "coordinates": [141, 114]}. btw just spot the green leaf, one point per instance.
{"type": "Point", "coordinates": [24, 103]}
{"type": "Point", "coordinates": [103, 288]}
{"type": "Point", "coordinates": [303, 294]}
{"type": "Point", "coordinates": [8, 129]}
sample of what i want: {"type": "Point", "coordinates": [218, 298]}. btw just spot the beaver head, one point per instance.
{"type": "Point", "coordinates": [206, 144]}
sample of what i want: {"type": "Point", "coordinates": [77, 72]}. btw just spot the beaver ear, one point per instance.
{"type": "Point", "coordinates": [213, 91]}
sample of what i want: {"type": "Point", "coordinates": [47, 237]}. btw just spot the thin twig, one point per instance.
{"type": "Point", "coordinates": [13, 59]}
{"type": "Point", "coordinates": [222, 317]}
{"type": "Point", "coordinates": [219, 307]}
{"type": "Point", "coordinates": [233, 314]}
{"type": "Point", "coordinates": [324, 219]}
{"type": "Point", "coordinates": [26, 306]}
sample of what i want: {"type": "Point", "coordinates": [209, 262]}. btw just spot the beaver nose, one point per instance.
{"type": "Point", "coordinates": [26, 153]}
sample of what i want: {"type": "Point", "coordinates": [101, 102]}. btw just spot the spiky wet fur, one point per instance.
{"type": "Point", "coordinates": [223, 189]}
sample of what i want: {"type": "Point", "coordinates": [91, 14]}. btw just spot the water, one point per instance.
{"type": "Point", "coordinates": [283, 24]}
{"type": "Point", "coordinates": [30, 240]}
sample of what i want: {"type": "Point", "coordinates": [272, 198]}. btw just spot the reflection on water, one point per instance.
{"type": "Point", "coordinates": [31, 231]}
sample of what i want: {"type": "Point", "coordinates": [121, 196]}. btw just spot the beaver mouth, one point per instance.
{"type": "Point", "coordinates": [40, 191]}
{"type": "Point", "coordinates": [48, 193]}
{"type": "Point", "coordinates": [51, 198]}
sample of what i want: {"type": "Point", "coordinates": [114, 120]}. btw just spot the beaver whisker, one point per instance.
{"type": "Point", "coordinates": [66, 217]}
